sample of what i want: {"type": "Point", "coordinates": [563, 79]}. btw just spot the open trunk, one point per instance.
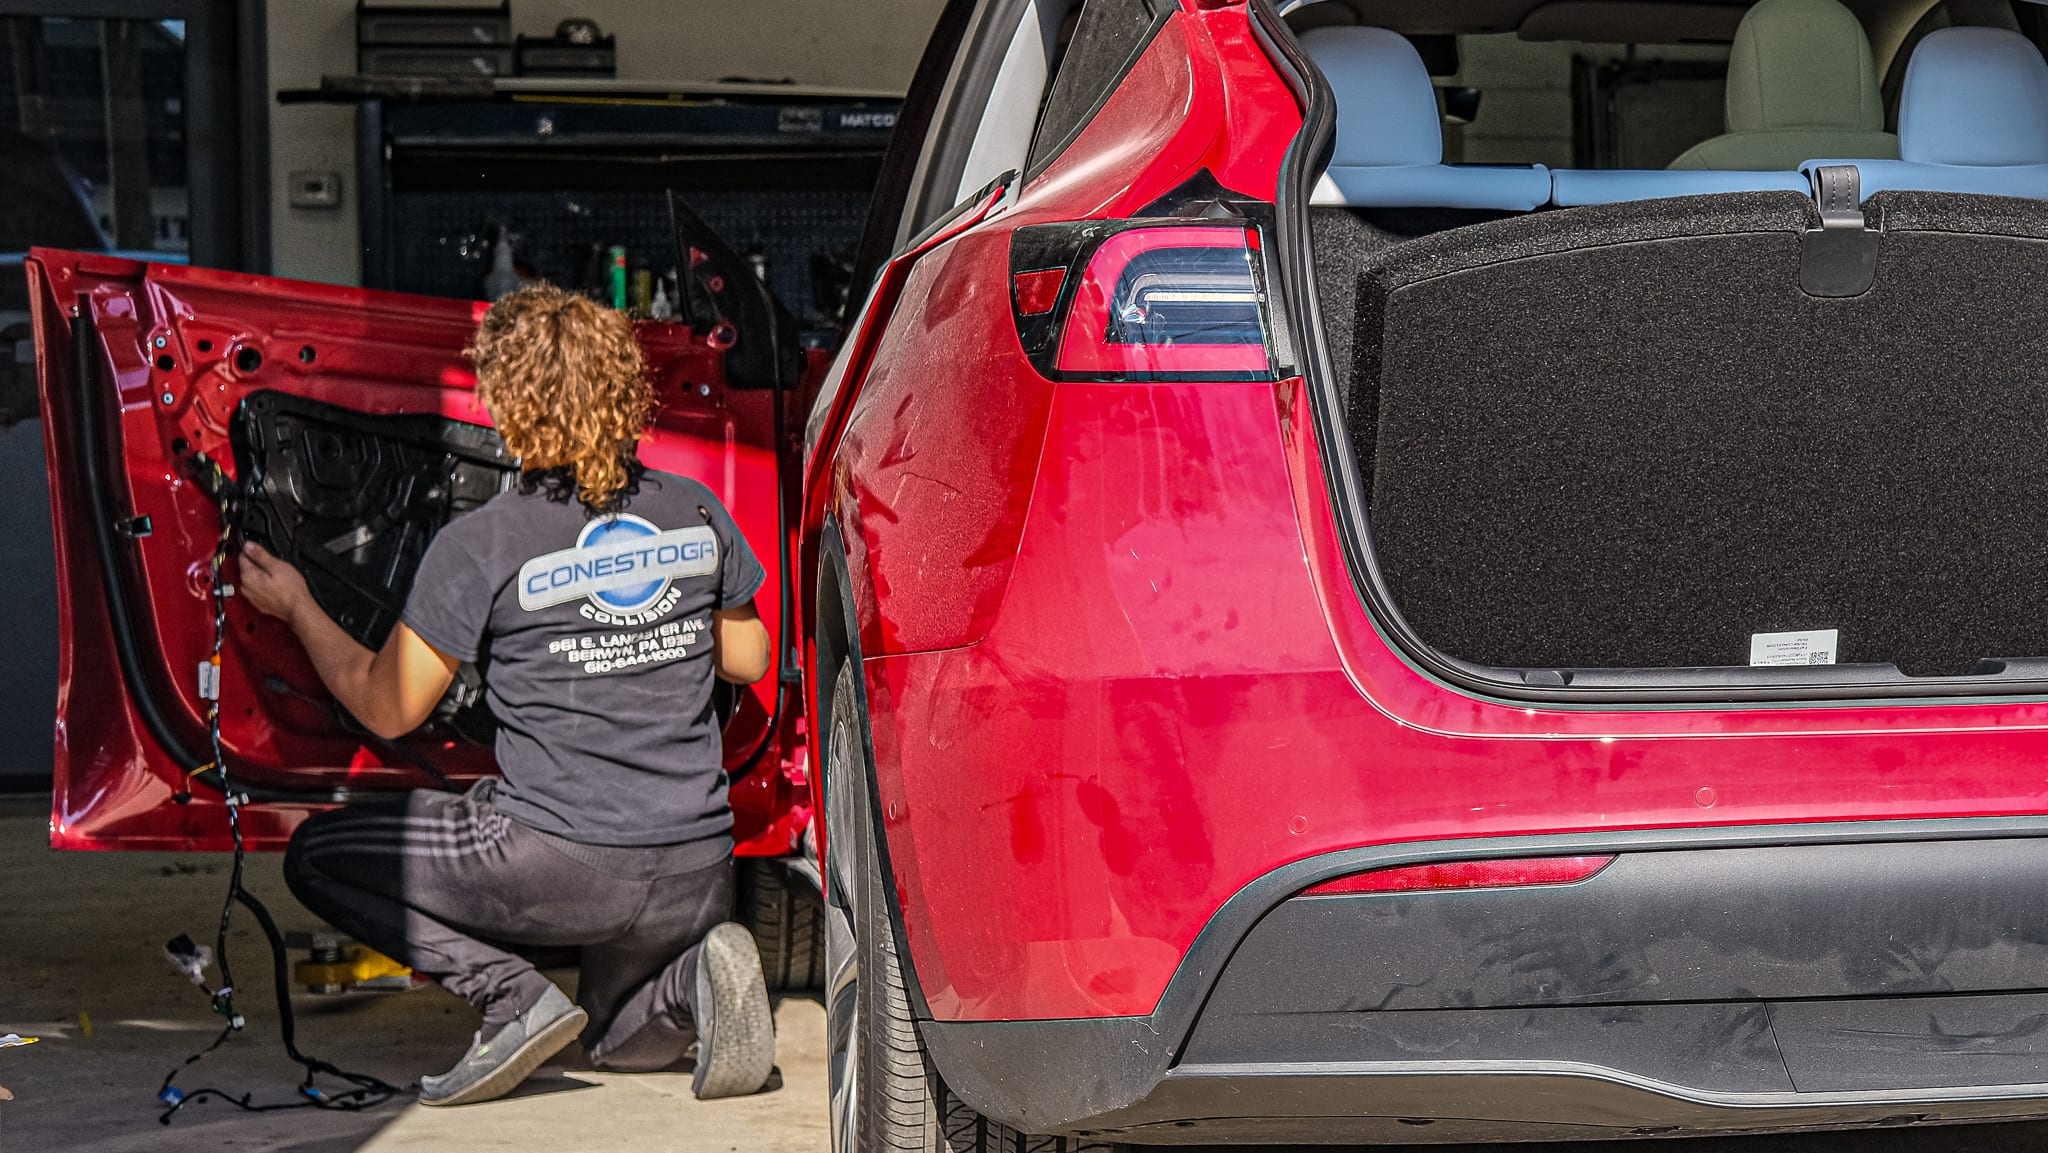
{"type": "Point", "coordinates": [1612, 447]}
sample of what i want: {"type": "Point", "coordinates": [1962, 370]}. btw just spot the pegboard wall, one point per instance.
{"type": "Point", "coordinates": [438, 248]}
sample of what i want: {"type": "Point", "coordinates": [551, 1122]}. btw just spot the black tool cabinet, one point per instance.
{"type": "Point", "coordinates": [783, 180]}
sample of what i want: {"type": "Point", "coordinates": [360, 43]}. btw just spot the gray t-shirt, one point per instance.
{"type": "Point", "coordinates": [594, 638]}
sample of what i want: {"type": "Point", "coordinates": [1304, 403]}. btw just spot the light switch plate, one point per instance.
{"type": "Point", "coordinates": [314, 188]}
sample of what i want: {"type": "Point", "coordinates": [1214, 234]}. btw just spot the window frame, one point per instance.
{"type": "Point", "coordinates": [1162, 11]}
{"type": "Point", "coordinates": [947, 139]}
{"type": "Point", "coordinates": [227, 143]}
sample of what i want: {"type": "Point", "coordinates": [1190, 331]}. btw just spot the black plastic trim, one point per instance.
{"type": "Point", "coordinates": [898, 166]}
{"type": "Point", "coordinates": [1161, 15]}
{"type": "Point", "coordinates": [949, 99]}
{"type": "Point", "coordinates": [1411, 1103]}
{"type": "Point", "coordinates": [1062, 1075]}
{"type": "Point", "coordinates": [90, 421]}
{"type": "Point", "coordinates": [948, 218]}
{"type": "Point", "coordinates": [1777, 923]}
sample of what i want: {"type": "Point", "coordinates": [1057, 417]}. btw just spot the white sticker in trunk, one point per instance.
{"type": "Point", "coordinates": [1812, 647]}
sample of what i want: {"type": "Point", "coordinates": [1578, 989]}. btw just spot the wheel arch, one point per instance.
{"type": "Point", "coordinates": [837, 641]}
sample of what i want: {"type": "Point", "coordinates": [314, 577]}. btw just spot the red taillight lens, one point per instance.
{"type": "Point", "coordinates": [1466, 875]}
{"type": "Point", "coordinates": [1165, 301]}
{"type": "Point", "coordinates": [1142, 301]}
{"type": "Point", "coordinates": [1038, 291]}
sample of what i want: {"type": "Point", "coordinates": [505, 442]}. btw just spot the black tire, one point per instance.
{"type": "Point", "coordinates": [788, 922]}
{"type": "Point", "coordinates": [885, 1098]}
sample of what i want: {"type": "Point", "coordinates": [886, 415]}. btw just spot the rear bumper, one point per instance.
{"type": "Point", "coordinates": [1431, 1103]}
{"type": "Point", "coordinates": [1709, 981]}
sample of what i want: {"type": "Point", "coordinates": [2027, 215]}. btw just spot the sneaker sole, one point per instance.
{"type": "Point", "coordinates": [529, 1057]}
{"type": "Point", "coordinates": [737, 1055]}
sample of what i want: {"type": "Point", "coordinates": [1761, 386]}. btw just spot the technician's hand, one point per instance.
{"type": "Point", "coordinates": [271, 585]}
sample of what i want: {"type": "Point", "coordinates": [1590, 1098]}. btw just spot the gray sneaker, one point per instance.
{"type": "Point", "coordinates": [735, 1028]}
{"type": "Point", "coordinates": [496, 1065]}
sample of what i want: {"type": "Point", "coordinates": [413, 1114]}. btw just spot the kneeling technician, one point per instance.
{"type": "Point", "coordinates": [598, 599]}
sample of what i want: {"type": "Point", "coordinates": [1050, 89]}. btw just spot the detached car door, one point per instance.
{"type": "Point", "coordinates": [340, 428]}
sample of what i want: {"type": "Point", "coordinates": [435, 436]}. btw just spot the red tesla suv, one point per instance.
{"type": "Point", "coordinates": [1426, 572]}
{"type": "Point", "coordinates": [1397, 570]}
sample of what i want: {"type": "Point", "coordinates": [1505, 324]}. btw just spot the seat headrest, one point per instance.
{"type": "Point", "coordinates": [1380, 78]}
{"type": "Point", "coordinates": [1975, 96]}
{"type": "Point", "coordinates": [1802, 64]}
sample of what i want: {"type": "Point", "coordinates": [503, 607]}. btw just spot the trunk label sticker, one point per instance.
{"type": "Point", "coordinates": [1812, 647]}
{"type": "Point", "coordinates": [623, 564]}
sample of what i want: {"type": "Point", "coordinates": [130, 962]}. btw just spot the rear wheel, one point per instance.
{"type": "Point", "coordinates": [880, 1095]}
{"type": "Point", "coordinates": [884, 1096]}
{"type": "Point", "coordinates": [787, 920]}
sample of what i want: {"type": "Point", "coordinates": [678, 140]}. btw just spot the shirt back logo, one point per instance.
{"type": "Point", "coordinates": [622, 563]}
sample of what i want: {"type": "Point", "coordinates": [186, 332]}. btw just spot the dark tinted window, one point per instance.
{"type": "Point", "coordinates": [903, 203]}
{"type": "Point", "coordinates": [1108, 34]}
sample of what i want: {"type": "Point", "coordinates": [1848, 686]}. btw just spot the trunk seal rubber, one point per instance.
{"type": "Point", "coordinates": [90, 418]}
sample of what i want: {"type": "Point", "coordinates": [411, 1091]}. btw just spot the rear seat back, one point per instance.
{"type": "Point", "coordinates": [1571, 187]}
{"type": "Point", "coordinates": [1973, 118]}
{"type": "Point", "coordinates": [1624, 436]}
{"type": "Point", "coordinates": [1801, 82]}
{"type": "Point", "coordinates": [1390, 147]}
{"type": "Point", "coordinates": [1800, 78]}
{"type": "Point", "coordinates": [1975, 96]}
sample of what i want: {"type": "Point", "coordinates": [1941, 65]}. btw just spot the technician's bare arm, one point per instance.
{"type": "Point", "coordinates": [390, 690]}
{"type": "Point", "coordinates": [739, 644]}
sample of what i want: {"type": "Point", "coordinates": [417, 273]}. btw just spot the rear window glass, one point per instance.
{"type": "Point", "coordinates": [1557, 93]}
{"type": "Point", "coordinates": [1580, 105]}
{"type": "Point", "coordinates": [1108, 34]}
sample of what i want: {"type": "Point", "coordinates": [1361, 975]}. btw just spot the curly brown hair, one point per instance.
{"type": "Point", "coordinates": [567, 386]}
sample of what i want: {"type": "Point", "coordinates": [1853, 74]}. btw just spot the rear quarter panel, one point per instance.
{"type": "Point", "coordinates": [1176, 688]}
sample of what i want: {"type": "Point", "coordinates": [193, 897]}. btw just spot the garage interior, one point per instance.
{"type": "Point", "coordinates": [320, 140]}
{"type": "Point", "coordinates": [241, 134]}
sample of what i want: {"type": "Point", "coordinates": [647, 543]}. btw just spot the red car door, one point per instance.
{"type": "Point", "coordinates": [344, 425]}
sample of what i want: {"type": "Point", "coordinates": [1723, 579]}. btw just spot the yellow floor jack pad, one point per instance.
{"type": "Point", "coordinates": [335, 967]}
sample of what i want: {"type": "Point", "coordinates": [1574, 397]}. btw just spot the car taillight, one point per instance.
{"type": "Point", "coordinates": [1466, 875]}
{"type": "Point", "coordinates": [1125, 300]}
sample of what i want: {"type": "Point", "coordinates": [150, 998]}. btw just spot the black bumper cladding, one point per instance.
{"type": "Point", "coordinates": [1708, 981]}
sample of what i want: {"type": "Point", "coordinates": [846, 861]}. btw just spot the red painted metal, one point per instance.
{"type": "Point", "coordinates": [1466, 875]}
{"type": "Point", "coordinates": [381, 353]}
{"type": "Point", "coordinates": [1181, 691]}
{"type": "Point", "coordinates": [843, 385]}
{"type": "Point", "coordinates": [927, 498]}
{"type": "Point", "coordinates": [1202, 97]}
{"type": "Point", "coordinates": [1175, 686]}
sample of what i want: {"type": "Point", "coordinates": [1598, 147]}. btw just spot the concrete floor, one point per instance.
{"type": "Point", "coordinates": [81, 966]}
{"type": "Point", "coordinates": [81, 939]}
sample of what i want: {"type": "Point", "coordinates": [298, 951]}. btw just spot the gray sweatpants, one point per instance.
{"type": "Point", "coordinates": [443, 882]}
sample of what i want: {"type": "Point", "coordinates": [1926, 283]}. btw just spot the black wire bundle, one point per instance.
{"type": "Point", "coordinates": [369, 1091]}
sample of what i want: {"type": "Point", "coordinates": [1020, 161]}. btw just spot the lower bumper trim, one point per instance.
{"type": "Point", "coordinates": [1493, 1101]}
